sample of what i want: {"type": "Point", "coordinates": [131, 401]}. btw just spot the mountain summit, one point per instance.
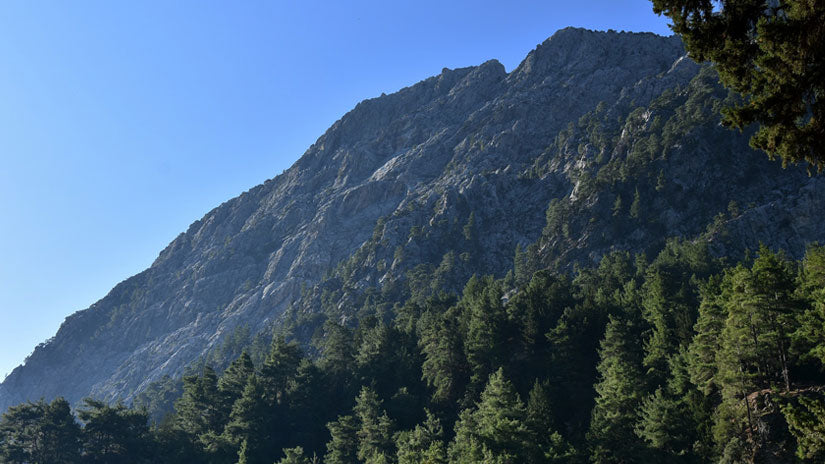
{"type": "Point", "coordinates": [596, 141]}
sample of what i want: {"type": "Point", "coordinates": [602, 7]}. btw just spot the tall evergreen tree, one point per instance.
{"type": "Point", "coordinates": [487, 330]}
{"type": "Point", "coordinates": [61, 433]}
{"type": "Point", "coordinates": [201, 408]}
{"type": "Point", "coordinates": [702, 363]}
{"type": "Point", "coordinates": [342, 447]}
{"type": "Point", "coordinates": [114, 434]}
{"type": "Point", "coordinates": [619, 392]}
{"type": "Point", "coordinates": [247, 426]}
{"type": "Point", "coordinates": [497, 428]}
{"type": "Point", "coordinates": [771, 52]}
{"type": "Point", "coordinates": [444, 368]}
{"type": "Point", "coordinates": [233, 380]}
{"type": "Point", "coordinates": [809, 338]}
{"type": "Point", "coordinates": [374, 434]}
{"type": "Point", "coordinates": [295, 456]}
{"type": "Point", "coordinates": [40, 433]}
{"type": "Point", "coordinates": [280, 366]}
{"type": "Point", "coordinates": [424, 444]}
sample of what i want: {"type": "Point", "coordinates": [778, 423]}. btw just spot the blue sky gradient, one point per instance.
{"type": "Point", "coordinates": [123, 122]}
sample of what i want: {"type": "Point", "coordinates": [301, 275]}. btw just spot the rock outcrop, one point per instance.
{"type": "Point", "coordinates": [466, 163]}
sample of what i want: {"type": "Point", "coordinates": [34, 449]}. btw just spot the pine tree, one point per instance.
{"type": "Point", "coordinates": [247, 426]}
{"type": "Point", "coordinates": [666, 427]}
{"type": "Point", "coordinates": [114, 434]}
{"type": "Point", "coordinates": [40, 433]}
{"type": "Point", "coordinates": [444, 368]}
{"type": "Point", "coordinates": [487, 329]}
{"type": "Point", "coordinates": [466, 447]}
{"type": "Point", "coordinates": [497, 427]}
{"type": "Point", "coordinates": [619, 392]}
{"type": "Point", "coordinates": [770, 51]}
{"type": "Point", "coordinates": [702, 363]}
{"type": "Point", "coordinates": [805, 416]}
{"type": "Point", "coordinates": [342, 447]}
{"type": "Point", "coordinates": [773, 282]}
{"type": "Point", "coordinates": [309, 407]}
{"type": "Point", "coordinates": [234, 379]}
{"type": "Point", "coordinates": [294, 456]}
{"type": "Point", "coordinates": [636, 206]}
{"type": "Point", "coordinates": [279, 368]}
{"type": "Point", "coordinates": [549, 446]}
{"type": "Point", "coordinates": [374, 434]}
{"type": "Point", "coordinates": [61, 434]}
{"type": "Point", "coordinates": [809, 338]}
{"type": "Point", "coordinates": [424, 444]}
{"type": "Point", "coordinates": [201, 408]}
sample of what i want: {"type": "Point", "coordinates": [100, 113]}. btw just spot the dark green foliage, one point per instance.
{"type": "Point", "coordinates": [375, 444]}
{"type": "Point", "coordinates": [619, 394]}
{"type": "Point", "coordinates": [496, 430]}
{"type": "Point", "coordinates": [809, 338]}
{"type": "Point", "coordinates": [40, 433]}
{"type": "Point", "coordinates": [114, 434]}
{"type": "Point", "coordinates": [342, 448]}
{"type": "Point", "coordinates": [423, 444]}
{"type": "Point", "coordinates": [806, 420]}
{"type": "Point", "coordinates": [772, 53]}
{"type": "Point", "coordinates": [202, 411]}
{"type": "Point", "coordinates": [673, 359]}
{"type": "Point", "coordinates": [294, 456]}
{"type": "Point", "coordinates": [486, 328]}
{"type": "Point", "coordinates": [247, 426]}
{"type": "Point", "coordinates": [233, 380]}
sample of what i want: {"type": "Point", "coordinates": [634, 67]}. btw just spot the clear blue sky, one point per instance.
{"type": "Point", "coordinates": [123, 122]}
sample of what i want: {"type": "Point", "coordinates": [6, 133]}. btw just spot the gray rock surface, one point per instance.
{"type": "Point", "coordinates": [466, 161]}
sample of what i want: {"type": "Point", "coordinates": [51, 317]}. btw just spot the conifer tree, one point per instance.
{"type": "Point", "coordinates": [805, 416]}
{"type": "Point", "coordinates": [201, 408]}
{"type": "Point", "coordinates": [549, 446]}
{"type": "Point", "coordinates": [444, 368]}
{"type": "Point", "coordinates": [497, 428]}
{"type": "Point", "coordinates": [636, 206]}
{"type": "Point", "coordinates": [247, 426]}
{"type": "Point", "coordinates": [233, 380]}
{"type": "Point", "coordinates": [40, 433]}
{"type": "Point", "coordinates": [487, 329]}
{"type": "Point", "coordinates": [342, 447]}
{"type": "Point", "coordinates": [294, 456]}
{"type": "Point", "coordinates": [702, 363]}
{"type": "Point", "coordinates": [619, 392]}
{"type": "Point", "coordinates": [279, 368]}
{"type": "Point", "coordinates": [114, 434]}
{"type": "Point", "coordinates": [374, 434]}
{"type": "Point", "coordinates": [809, 338]}
{"type": "Point", "coordinates": [61, 434]}
{"type": "Point", "coordinates": [466, 447]}
{"type": "Point", "coordinates": [309, 407]}
{"type": "Point", "coordinates": [424, 444]}
{"type": "Point", "coordinates": [666, 427]}
{"type": "Point", "coordinates": [771, 52]}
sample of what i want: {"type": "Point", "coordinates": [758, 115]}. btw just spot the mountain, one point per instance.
{"type": "Point", "coordinates": [596, 141]}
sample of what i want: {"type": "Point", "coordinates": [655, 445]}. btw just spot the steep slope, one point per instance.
{"type": "Point", "coordinates": [463, 162]}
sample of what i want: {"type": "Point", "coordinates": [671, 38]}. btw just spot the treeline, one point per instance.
{"type": "Point", "coordinates": [678, 359]}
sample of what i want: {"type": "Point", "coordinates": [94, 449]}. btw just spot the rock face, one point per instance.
{"type": "Point", "coordinates": [457, 169]}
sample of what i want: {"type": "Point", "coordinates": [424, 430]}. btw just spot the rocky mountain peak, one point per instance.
{"type": "Point", "coordinates": [445, 177]}
{"type": "Point", "coordinates": [576, 52]}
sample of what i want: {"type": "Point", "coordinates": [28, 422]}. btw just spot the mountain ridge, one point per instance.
{"type": "Point", "coordinates": [452, 150]}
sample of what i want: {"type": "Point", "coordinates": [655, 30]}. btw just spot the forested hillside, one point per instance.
{"type": "Point", "coordinates": [680, 357]}
{"type": "Point", "coordinates": [570, 262]}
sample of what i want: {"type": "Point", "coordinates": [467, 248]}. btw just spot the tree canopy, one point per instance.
{"type": "Point", "coordinates": [772, 52]}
